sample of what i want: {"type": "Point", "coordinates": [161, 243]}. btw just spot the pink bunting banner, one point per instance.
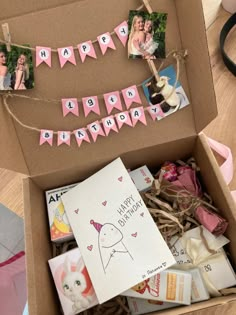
{"type": "Point", "coordinates": [155, 111]}
{"type": "Point", "coordinates": [123, 118]}
{"type": "Point", "coordinates": [81, 135]}
{"type": "Point", "coordinates": [86, 49]}
{"type": "Point", "coordinates": [66, 54]}
{"type": "Point", "coordinates": [122, 32]}
{"type": "Point", "coordinates": [105, 41]}
{"type": "Point", "coordinates": [131, 95]}
{"type": "Point", "coordinates": [63, 137]}
{"type": "Point", "coordinates": [95, 130]}
{"type": "Point", "coordinates": [46, 136]}
{"type": "Point", "coordinates": [137, 114]}
{"type": "Point", "coordinates": [43, 54]}
{"type": "Point", "coordinates": [112, 100]}
{"type": "Point", "coordinates": [70, 105]}
{"type": "Point", "coordinates": [109, 124]}
{"type": "Point", "coordinates": [90, 104]}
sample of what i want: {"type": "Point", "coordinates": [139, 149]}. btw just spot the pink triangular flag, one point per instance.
{"type": "Point", "coordinates": [86, 49]}
{"type": "Point", "coordinates": [46, 136]}
{"type": "Point", "coordinates": [63, 137]}
{"type": "Point", "coordinates": [109, 124]}
{"type": "Point", "coordinates": [43, 54]}
{"type": "Point", "coordinates": [122, 32]}
{"type": "Point", "coordinates": [70, 105]}
{"type": "Point", "coordinates": [66, 54]}
{"type": "Point", "coordinates": [123, 118]}
{"type": "Point", "coordinates": [95, 130]}
{"type": "Point", "coordinates": [155, 111]}
{"type": "Point", "coordinates": [105, 41]}
{"type": "Point", "coordinates": [81, 135]}
{"type": "Point", "coordinates": [90, 104]}
{"type": "Point", "coordinates": [137, 114]}
{"type": "Point", "coordinates": [131, 95]}
{"type": "Point", "coordinates": [112, 100]}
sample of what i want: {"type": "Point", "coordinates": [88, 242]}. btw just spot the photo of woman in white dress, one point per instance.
{"type": "Point", "coordinates": [146, 35]}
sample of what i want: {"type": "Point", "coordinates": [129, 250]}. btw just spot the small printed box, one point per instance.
{"type": "Point", "coordinates": [170, 285]}
{"type": "Point", "coordinates": [199, 291]}
{"type": "Point", "coordinates": [141, 306]}
{"type": "Point", "coordinates": [142, 178]}
{"type": "Point", "coordinates": [72, 282]}
{"type": "Point", "coordinates": [60, 229]}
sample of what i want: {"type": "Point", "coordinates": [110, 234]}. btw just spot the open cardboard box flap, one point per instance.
{"type": "Point", "coordinates": [74, 23]}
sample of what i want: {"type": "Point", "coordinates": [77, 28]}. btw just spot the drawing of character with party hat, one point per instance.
{"type": "Point", "coordinates": [110, 243]}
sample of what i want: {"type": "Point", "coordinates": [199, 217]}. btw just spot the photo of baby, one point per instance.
{"type": "Point", "coordinates": [146, 35]}
{"type": "Point", "coordinates": [16, 69]}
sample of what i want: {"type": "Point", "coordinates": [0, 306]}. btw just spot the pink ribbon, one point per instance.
{"type": "Point", "coordinates": [227, 167]}
{"type": "Point", "coordinates": [13, 293]}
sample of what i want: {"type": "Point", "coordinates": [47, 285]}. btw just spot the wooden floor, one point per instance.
{"type": "Point", "coordinates": [222, 129]}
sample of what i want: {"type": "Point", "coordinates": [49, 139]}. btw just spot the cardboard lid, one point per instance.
{"type": "Point", "coordinates": [80, 21]}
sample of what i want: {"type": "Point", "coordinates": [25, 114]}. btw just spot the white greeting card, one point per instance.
{"type": "Point", "coordinates": [119, 241]}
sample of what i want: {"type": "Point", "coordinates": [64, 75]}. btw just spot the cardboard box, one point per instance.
{"type": "Point", "coordinates": [142, 178]}
{"type": "Point", "coordinates": [174, 137]}
{"type": "Point", "coordinates": [59, 226]}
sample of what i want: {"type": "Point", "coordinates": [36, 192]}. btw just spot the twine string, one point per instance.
{"type": "Point", "coordinates": [54, 49]}
{"type": "Point", "coordinates": [178, 56]}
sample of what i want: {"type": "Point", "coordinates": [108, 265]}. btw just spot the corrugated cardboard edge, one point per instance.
{"type": "Point", "coordinates": [209, 309]}
{"type": "Point", "coordinates": [197, 71]}
{"type": "Point", "coordinates": [30, 262]}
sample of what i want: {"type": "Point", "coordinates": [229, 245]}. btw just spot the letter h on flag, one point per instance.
{"type": "Point", "coordinates": [43, 54]}
{"type": "Point", "coordinates": [131, 95]}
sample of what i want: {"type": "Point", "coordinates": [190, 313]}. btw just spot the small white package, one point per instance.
{"type": "Point", "coordinates": [142, 178]}
{"type": "Point", "coordinates": [199, 291]}
{"type": "Point", "coordinates": [72, 282]}
{"type": "Point", "coordinates": [170, 285]}
{"type": "Point", "coordinates": [141, 306]}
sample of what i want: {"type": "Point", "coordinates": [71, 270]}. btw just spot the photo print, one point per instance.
{"type": "Point", "coordinates": [160, 95]}
{"type": "Point", "coordinates": [146, 35]}
{"type": "Point", "coordinates": [16, 69]}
